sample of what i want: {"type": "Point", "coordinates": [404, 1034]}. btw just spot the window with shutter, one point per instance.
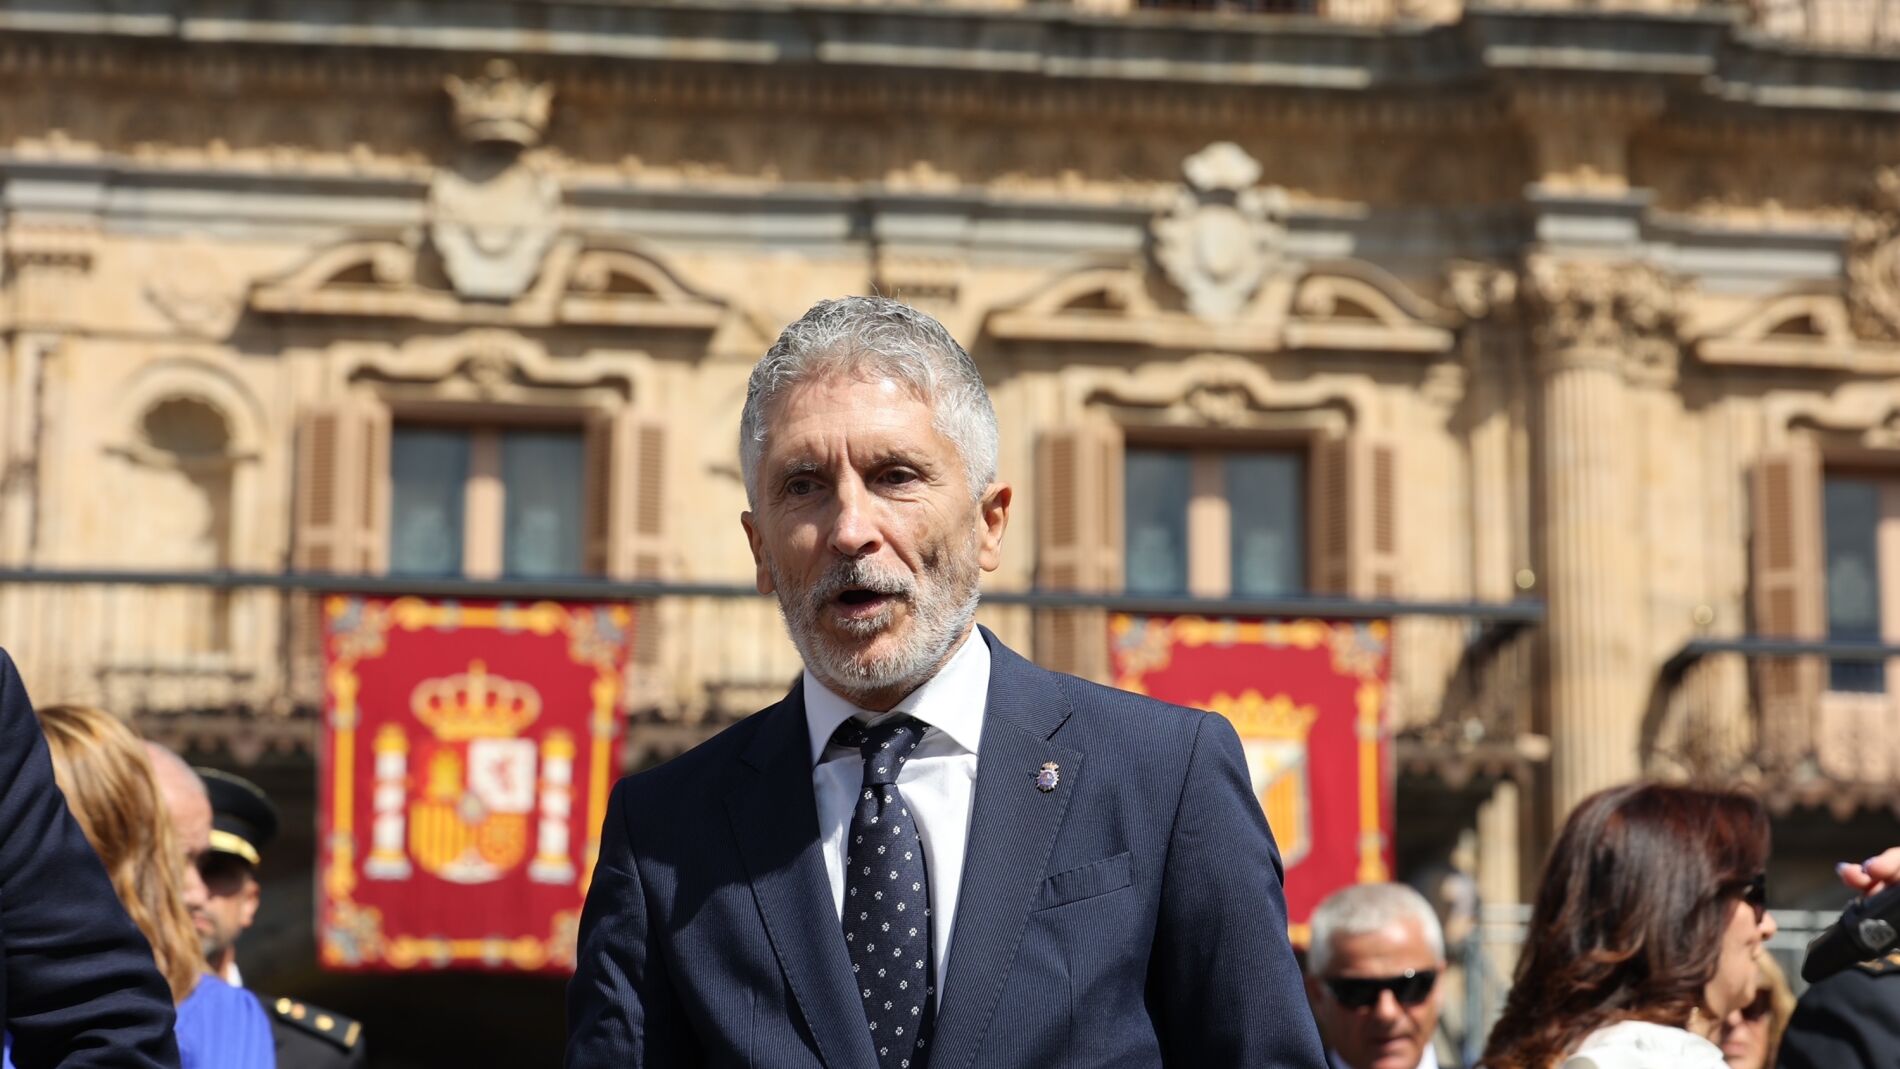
{"type": "Point", "coordinates": [1787, 596]}
{"type": "Point", "coordinates": [1353, 498]}
{"type": "Point", "coordinates": [1078, 541]}
{"type": "Point", "coordinates": [342, 462]}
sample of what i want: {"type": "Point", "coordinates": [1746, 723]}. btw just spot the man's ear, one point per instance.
{"type": "Point", "coordinates": [762, 576]}
{"type": "Point", "coordinates": [993, 512]}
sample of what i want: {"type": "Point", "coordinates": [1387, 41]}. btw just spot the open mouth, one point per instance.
{"type": "Point", "coordinates": [862, 601]}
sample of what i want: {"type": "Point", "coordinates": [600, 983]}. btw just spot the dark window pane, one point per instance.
{"type": "Point", "coordinates": [1156, 493]}
{"type": "Point", "coordinates": [1265, 493]}
{"type": "Point", "coordinates": [428, 475]}
{"type": "Point", "coordinates": [541, 485]}
{"type": "Point", "coordinates": [1853, 579]}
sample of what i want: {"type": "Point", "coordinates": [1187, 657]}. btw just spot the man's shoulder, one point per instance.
{"type": "Point", "coordinates": [300, 1026]}
{"type": "Point", "coordinates": [1104, 722]}
{"type": "Point", "coordinates": [1874, 985]}
{"type": "Point", "coordinates": [699, 764]}
{"type": "Point", "coordinates": [1147, 716]}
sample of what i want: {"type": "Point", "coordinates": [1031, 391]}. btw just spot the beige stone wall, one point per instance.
{"type": "Point", "coordinates": [1577, 320]}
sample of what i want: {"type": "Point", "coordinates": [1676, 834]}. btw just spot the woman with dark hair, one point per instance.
{"type": "Point", "coordinates": [1645, 935]}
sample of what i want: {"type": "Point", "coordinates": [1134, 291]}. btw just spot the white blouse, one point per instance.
{"type": "Point", "coordinates": [1642, 1045]}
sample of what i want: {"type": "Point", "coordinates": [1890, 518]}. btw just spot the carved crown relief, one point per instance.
{"type": "Point", "coordinates": [1223, 234]}
{"type": "Point", "coordinates": [499, 107]}
{"type": "Point", "coordinates": [493, 215]}
{"type": "Point", "coordinates": [1873, 262]}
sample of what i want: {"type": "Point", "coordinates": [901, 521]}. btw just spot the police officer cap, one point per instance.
{"type": "Point", "coordinates": [243, 820]}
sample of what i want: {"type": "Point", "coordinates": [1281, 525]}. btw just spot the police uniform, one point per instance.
{"type": "Point", "coordinates": [1848, 1021]}
{"type": "Point", "coordinates": [243, 822]}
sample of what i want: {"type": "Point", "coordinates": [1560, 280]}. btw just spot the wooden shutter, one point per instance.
{"type": "Point", "coordinates": [625, 500]}
{"type": "Point", "coordinates": [1078, 542]}
{"type": "Point", "coordinates": [646, 522]}
{"type": "Point", "coordinates": [1788, 597]}
{"type": "Point", "coordinates": [625, 533]}
{"type": "Point", "coordinates": [1352, 521]}
{"type": "Point", "coordinates": [340, 522]}
{"type": "Point", "coordinates": [342, 491]}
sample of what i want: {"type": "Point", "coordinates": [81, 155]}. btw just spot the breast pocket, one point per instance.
{"type": "Point", "coordinates": [1092, 880]}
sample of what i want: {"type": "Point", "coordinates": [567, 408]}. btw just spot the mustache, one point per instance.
{"type": "Point", "coordinates": [846, 575]}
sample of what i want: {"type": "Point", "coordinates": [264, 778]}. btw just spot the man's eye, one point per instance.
{"type": "Point", "coordinates": [800, 487]}
{"type": "Point", "coordinates": [900, 476]}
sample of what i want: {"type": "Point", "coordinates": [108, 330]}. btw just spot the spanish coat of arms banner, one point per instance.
{"type": "Point", "coordinates": [468, 749]}
{"type": "Point", "coordinates": [1308, 699]}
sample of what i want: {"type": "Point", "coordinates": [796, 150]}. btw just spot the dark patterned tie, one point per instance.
{"type": "Point", "coordinates": [887, 897]}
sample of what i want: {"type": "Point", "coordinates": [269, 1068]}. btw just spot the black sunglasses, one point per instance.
{"type": "Point", "coordinates": [1755, 893]}
{"type": "Point", "coordinates": [1410, 987]}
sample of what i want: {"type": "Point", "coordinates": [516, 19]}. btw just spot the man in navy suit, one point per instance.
{"type": "Point", "coordinates": [77, 980]}
{"type": "Point", "coordinates": [931, 852]}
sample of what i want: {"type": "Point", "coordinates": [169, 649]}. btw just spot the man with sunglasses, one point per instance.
{"type": "Point", "coordinates": [1372, 977]}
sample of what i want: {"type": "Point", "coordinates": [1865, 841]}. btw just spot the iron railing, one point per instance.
{"type": "Point", "coordinates": [237, 654]}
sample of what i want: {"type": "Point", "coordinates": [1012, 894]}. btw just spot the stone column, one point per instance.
{"type": "Point", "coordinates": [1597, 325]}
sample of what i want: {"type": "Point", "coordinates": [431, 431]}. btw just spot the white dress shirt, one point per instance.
{"type": "Point", "coordinates": [938, 782]}
{"type": "Point", "coordinates": [1428, 1060]}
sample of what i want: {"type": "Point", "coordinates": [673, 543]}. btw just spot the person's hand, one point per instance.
{"type": "Point", "coordinates": [1873, 875]}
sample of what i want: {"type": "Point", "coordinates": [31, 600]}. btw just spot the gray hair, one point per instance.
{"type": "Point", "coordinates": [1362, 909]}
{"type": "Point", "coordinates": [882, 337]}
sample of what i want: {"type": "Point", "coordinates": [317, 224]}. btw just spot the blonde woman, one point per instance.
{"type": "Point", "coordinates": [77, 986]}
{"type": "Point", "coordinates": [107, 778]}
{"type": "Point", "coordinates": [1751, 1036]}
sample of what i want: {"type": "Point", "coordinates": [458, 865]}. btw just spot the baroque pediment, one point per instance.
{"type": "Point", "coordinates": [1801, 329]}
{"type": "Point", "coordinates": [1340, 305]}
{"type": "Point", "coordinates": [580, 282]}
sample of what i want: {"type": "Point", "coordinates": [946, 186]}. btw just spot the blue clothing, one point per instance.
{"type": "Point", "coordinates": [78, 988]}
{"type": "Point", "coordinates": [223, 1027]}
{"type": "Point", "coordinates": [1130, 916]}
{"type": "Point", "coordinates": [219, 1027]}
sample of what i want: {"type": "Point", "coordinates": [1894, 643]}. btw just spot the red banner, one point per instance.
{"type": "Point", "coordinates": [1308, 699]}
{"type": "Point", "coordinates": [468, 749]}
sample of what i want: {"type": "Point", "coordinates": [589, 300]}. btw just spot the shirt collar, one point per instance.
{"type": "Point", "coordinates": [1427, 1060]}
{"type": "Point", "coordinates": [951, 701]}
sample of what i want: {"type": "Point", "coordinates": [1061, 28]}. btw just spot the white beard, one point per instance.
{"type": "Point", "coordinates": [942, 606]}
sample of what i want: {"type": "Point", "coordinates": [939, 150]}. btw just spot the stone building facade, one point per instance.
{"type": "Point", "coordinates": [1597, 306]}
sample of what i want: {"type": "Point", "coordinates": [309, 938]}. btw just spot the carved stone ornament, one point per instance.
{"type": "Point", "coordinates": [1480, 290]}
{"type": "Point", "coordinates": [494, 215]}
{"type": "Point", "coordinates": [493, 230]}
{"type": "Point", "coordinates": [1873, 263]}
{"type": "Point", "coordinates": [1604, 311]}
{"type": "Point", "coordinates": [191, 287]}
{"type": "Point", "coordinates": [1222, 234]}
{"type": "Point", "coordinates": [500, 107]}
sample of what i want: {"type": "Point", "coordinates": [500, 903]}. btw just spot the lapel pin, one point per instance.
{"type": "Point", "coordinates": [1048, 776]}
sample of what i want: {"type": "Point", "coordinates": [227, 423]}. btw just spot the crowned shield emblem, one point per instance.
{"type": "Point", "coordinates": [471, 822]}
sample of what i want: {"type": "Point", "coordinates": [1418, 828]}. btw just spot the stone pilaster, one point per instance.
{"type": "Point", "coordinates": [1598, 327]}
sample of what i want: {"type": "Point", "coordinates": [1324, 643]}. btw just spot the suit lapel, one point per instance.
{"type": "Point", "coordinates": [775, 818]}
{"type": "Point", "coordinates": [1012, 830]}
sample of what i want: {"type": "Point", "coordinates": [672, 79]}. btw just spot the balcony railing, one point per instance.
{"type": "Point", "coordinates": [235, 659]}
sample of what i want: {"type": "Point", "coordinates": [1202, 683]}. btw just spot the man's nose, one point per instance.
{"type": "Point", "coordinates": [854, 529]}
{"type": "Point", "coordinates": [1388, 1006]}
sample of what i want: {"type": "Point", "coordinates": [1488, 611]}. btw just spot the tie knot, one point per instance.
{"type": "Point", "coordinates": [884, 745]}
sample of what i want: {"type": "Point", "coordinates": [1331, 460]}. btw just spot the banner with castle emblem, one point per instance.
{"type": "Point", "coordinates": [468, 749]}
{"type": "Point", "coordinates": [1308, 699]}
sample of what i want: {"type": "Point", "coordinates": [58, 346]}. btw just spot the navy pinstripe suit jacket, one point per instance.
{"type": "Point", "coordinates": [1132, 917]}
